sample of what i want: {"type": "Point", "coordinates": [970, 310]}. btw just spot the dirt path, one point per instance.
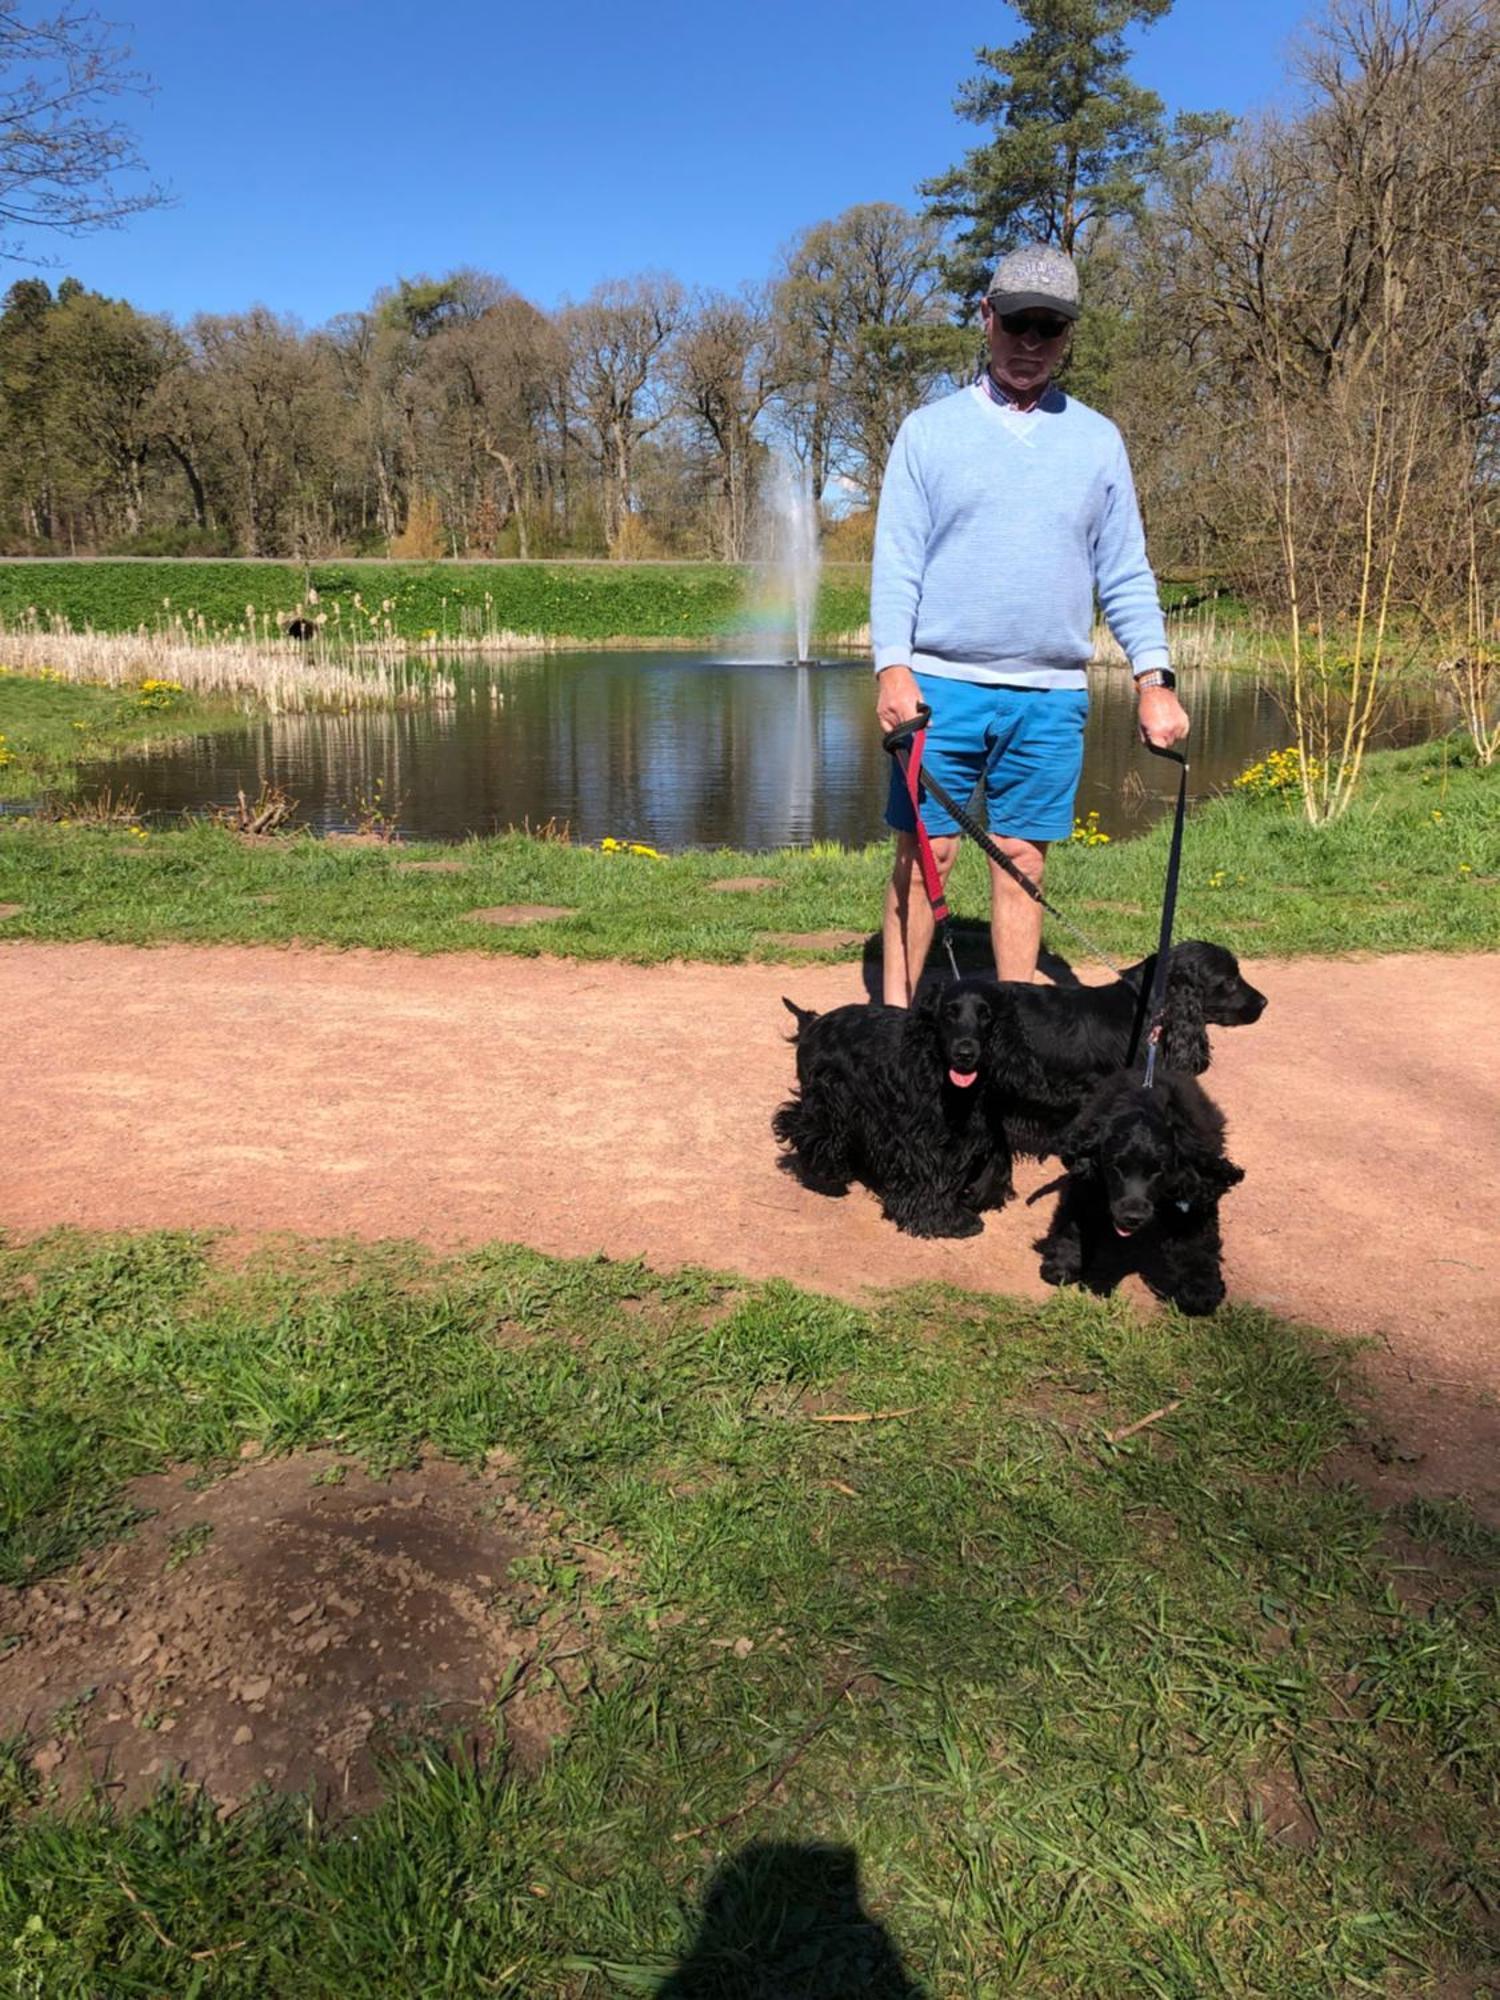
{"type": "Point", "coordinates": [607, 1108]}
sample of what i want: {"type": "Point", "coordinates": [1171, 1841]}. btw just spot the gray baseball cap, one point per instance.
{"type": "Point", "coordinates": [1038, 274]}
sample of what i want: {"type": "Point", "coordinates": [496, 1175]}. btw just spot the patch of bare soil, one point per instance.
{"type": "Point", "coordinates": [815, 940]}
{"type": "Point", "coordinates": [278, 1627]}
{"type": "Point", "coordinates": [625, 1110]}
{"type": "Point", "coordinates": [519, 913]}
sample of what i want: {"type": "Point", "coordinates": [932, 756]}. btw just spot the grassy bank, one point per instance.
{"type": "Point", "coordinates": [1175, 1713]}
{"type": "Point", "coordinates": [426, 603]}
{"type": "Point", "coordinates": [49, 726]}
{"type": "Point", "coordinates": [1414, 866]}
{"type": "Point", "coordinates": [417, 601]}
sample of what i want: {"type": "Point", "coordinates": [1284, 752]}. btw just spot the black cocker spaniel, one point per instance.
{"type": "Point", "coordinates": [899, 1098]}
{"type": "Point", "coordinates": [1145, 1172]}
{"type": "Point", "coordinates": [1073, 1037]}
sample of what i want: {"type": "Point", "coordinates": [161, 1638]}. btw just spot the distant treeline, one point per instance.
{"type": "Point", "coordinates": [1295, 322]}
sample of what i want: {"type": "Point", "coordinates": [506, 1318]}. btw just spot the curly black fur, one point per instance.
{"type": "Point", "coordinates": [879, 1101]}
{"type": "Point", "coordinates": [1146, 1169]}
{"type": "Point", "coordinates": [1075, 1036]}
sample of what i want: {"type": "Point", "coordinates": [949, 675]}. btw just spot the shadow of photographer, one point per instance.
{"type": "Point", "coordinates": [783, 1922]}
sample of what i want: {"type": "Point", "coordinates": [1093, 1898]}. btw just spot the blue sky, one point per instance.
{"type": "Point", "coordinates": [318, 149]}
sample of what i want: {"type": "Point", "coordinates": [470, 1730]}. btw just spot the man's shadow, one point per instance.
{"type": "Point", "coordinates": [972, 950]}
{"type": "Point", "coordinates": [788, 1923]}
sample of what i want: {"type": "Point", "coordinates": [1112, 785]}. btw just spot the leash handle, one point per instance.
{"type": "Point", "coordinates": [897, 739]}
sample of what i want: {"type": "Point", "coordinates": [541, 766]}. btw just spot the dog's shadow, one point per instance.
{"type": "Point", "coordinates": [781, 1920]}
{"type": "Point", "coordinates": [973, 951]}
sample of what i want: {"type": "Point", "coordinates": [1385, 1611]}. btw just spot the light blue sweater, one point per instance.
{"type": "Point", "coordinates": [996, 528]}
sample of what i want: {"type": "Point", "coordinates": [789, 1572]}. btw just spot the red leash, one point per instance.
{"type": "Point", "coordinates": [905, 745]}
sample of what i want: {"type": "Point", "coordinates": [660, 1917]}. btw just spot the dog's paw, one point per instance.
{"type": "Point", "coordinates": [1061, 1270]}
{"type": "Point", "coordinates": [993, 1194]}
{"type": "Point", "coordinates": [959, 1223]}
{"type": "Point", "coordinates": [1198, 1301]}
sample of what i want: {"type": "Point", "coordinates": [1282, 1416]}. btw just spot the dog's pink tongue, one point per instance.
{"type": "Point", "coordinates": [1123, 1232]}
{"type": "Point", "coordinates": [963, 1078]}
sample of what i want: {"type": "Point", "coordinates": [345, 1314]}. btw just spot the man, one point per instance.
{"type": "Point", "coordinates": [1005, 509]}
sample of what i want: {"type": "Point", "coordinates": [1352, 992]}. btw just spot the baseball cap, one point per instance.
{"type": "Point", "coordinates": [1038, 274]}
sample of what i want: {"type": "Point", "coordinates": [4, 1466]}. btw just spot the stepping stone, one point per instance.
{"type": "Point", "coordinates": [519, 913]}
{"type": "Point", "coordinates": [10, 910]}
{"type": "Point", "coordinates": [429, 867]}
{"type": "Point", "coordinates": [737, 882]}
{"type": "Point", "coordinates": [815, 940]}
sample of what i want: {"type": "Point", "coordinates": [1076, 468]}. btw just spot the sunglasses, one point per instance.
{"type": "Point", "coordinates": [1044, 325]}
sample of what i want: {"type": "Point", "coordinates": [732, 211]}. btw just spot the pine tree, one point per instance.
{"type": "Point", "coordinates": [1074, 144]}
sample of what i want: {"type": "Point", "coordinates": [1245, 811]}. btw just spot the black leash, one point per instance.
{"type": "Point", "coordinates": [1150, 1006]}
{"type": "Point", "coordinates": [897, 742]}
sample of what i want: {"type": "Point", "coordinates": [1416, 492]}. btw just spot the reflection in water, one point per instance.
{"type": "Point", "coordinates": [670, 750]}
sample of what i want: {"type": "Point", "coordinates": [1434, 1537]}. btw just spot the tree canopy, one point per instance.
{"type": "Point", "coordinates": [1074, 141]}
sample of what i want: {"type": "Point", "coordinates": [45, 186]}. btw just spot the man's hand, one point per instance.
{"type": "Point", "coordinates": [1161, 716]}
{"type": "Point", "coordinates": [897, 697]}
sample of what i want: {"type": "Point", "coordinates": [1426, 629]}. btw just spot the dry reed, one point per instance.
{"type": "Point", "coordinates": [269, 671]}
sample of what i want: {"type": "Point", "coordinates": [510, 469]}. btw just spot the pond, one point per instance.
{"type": "Point", "coordinates": [670, 750]}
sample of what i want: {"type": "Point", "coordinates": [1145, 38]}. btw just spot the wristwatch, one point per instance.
{"type": "Point", "coordinates": [1156, 677]}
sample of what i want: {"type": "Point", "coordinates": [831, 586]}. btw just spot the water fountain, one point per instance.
{"type": "Point", "coordinates": [790, 560]}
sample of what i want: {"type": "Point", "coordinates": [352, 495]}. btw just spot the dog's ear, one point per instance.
{"type": "Point", "coordinates": [1200, 1172]}
{"type": "Point", "coordinates": [1079, 1146]}
{"type": "Point", "coordinates": [1184, 1038]}
{"type": "Point", "coordinates": [1011, 1061]}
{"type": "Point", "coordinates": [921, 1043]}
{"type": "Point", "coordinates": [1201, 1181]}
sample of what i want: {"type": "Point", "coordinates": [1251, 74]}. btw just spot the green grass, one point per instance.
{"type": "Point", "coordinates": [564, 600]}
{"type": "Point", "coordinates": [49, 726]}
{"type": "Point", "coordinates": [1414, 866]}
{"type": "Point", "coordinates": [1042, 1686]}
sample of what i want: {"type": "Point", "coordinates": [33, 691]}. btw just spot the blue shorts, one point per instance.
{"type": "Point", "coordinates": [1026, 743]}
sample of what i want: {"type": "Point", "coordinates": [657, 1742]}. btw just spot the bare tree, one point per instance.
{"type": "Point", "coordinates": [726, 368]}
{"type": "Point", "coordinates": [62, 161]}
{"type": "Point", "coordinates": [274, 409]}
{"type": "Point", "coordinates": [490, 378]}
{"type": "Point", "coordinates": [616, 342]}
{"type": "Point", "coordinates": [863, 332]}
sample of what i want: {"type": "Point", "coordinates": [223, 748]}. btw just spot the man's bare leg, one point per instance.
{"type": "Point", "coordinates": [1015, 919]}
{"type": "Point", "coordinates": [906, 932]}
